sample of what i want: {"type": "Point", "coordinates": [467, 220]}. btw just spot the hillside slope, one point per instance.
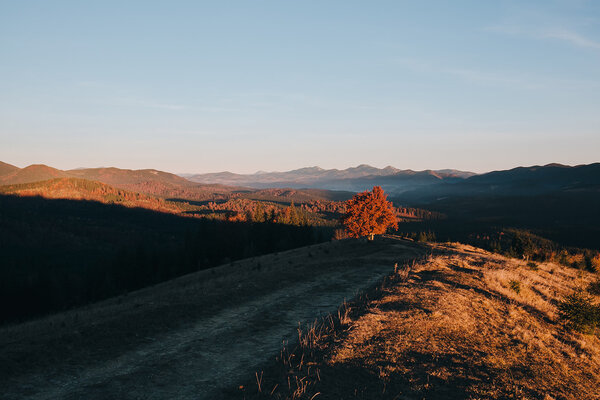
{"type": "Point", "coordinates": [153, 182]}
{"type": "Point", "coordinates": [161, 184]}
{"type": "Point", "coordinates": [7, 168]}
{"type": "Point", "coordinates": [147, 181]}
{"type": "Point", "coordinates": [556, 202]}
{"type": "Point", "coordinates": [194, 336]}
{"type": "Point", "coordinates": [521, 181]}
{"type": "Point", "coordinates": [447, 325]}
{"type": "Point", "coordinates": [118, 176]}
{"type": "Point", "coordinates": [462, 324]}
{"type": "Point", "coordinates": [82, 189]}
{"type": "Point", "coordinates": [32, 173]}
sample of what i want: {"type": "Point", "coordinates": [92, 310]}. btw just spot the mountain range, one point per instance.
{"type": "Point", "coordinates": [406, 185]}
{"type": "Point", "coordinates": [557, 202]}
{"type": "Point", "coordinates": [56, 183]}
{"type": "Point", "coordinates": [147, 181]}
{"type": "Point", "coordinates": [198, 186]}
{"type": "Point", "coordinates": [520, 181]}
{"type": "Point", "coordinates": [355, 179]}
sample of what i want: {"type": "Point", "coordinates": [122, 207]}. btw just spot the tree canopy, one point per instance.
{"type": "Point", "coordinates": [369, 213]}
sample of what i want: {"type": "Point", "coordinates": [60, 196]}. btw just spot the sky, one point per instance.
{"type": "Point", "coordinates": [194, 86]}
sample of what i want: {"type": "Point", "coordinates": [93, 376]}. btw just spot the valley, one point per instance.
{"type": "Point", "coordinates": [140, 283]}
{"type": "Point", "coordinates": [285, 200]}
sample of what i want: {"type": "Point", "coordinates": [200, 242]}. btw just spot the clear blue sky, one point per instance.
{"type": "Point", "coordinates": [191, 86]}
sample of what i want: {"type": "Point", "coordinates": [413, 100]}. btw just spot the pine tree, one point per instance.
{"type": "Point", "coordinates": [294, 219]}
{"type": "Point", "coordinates": [259, 213]}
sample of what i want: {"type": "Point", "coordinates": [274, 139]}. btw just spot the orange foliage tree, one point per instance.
{"type": "Point", "coordinates": [369, 214]}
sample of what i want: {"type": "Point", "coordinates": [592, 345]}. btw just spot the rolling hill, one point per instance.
{"type": "Point", "coordinates": [554, 201]}
{"type": "Point", "coordinates": [6, 169]}
{"type": "Point", "coordinates": [537, 179]}
{"type": "Point", "coordinates": [147, 181]}
{"type": "Point", "coordinates": [116, 176]}
{"type": "Point", "coordinates": [32, 173]}
{"type": "Point", "coordinates": [448, 322]}
{"type": "Point", "coordinates": [154, 182]}
{"type": "Point", "coordinates": [82, 189]}
{"type": "Point", "coordinates": [521, 181]}
{"type": "Point", "coordinates": [162, 184]}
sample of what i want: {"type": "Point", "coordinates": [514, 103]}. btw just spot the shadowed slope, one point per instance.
{"type": "Point", "coordinates": [521, 181]}
{"type": "Point", "coordinates": [193, 336]}
{"type": "Point", "coordinates": [58, 253]}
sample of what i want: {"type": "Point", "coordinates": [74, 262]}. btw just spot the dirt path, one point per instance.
{"type": "Point", "coordinates": [200, 356]}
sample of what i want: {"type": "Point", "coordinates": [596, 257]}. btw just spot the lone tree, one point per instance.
{"type": "Point", "coordinates": [369, 214]}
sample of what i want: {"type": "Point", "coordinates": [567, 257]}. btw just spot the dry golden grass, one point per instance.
{"type": "Point", "coordinates": [454, 326]}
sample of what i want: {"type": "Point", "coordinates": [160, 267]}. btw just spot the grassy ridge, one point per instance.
{"type": "Point", "coordinates": [453, 326]}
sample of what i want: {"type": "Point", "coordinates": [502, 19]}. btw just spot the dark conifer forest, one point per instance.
{"type": "Point", "coordinates": [57, 254]}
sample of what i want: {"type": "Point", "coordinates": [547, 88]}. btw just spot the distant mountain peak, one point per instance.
{"type": "Point", "coordinates": [38, 166]}
{"type": "Point", "coordinates": [31, 173]}
{"type": "Point", "coordinates": [7, 168]}
{"type": "Point", "coordinates": [556, 165]}
{"type": "Point", "coordinates": [315, 168]}
{"type": "Point", "coordinates": [364, 166]}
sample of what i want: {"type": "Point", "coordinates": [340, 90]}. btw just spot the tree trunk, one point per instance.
{"type": "Point", "coordinates": [371, 237]}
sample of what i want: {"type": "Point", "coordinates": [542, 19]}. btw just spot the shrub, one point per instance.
{"type": "Point", "coordinates": [532, 265]}
{"type": "Point", "coordinates": [515, 286]}
{"type": "Point", "coordinates": [578, 312]}
{"type": "Point", "coordinates": [592, 262]}
{"type": "Point", "coordinates": [425, 237]}
{"type": "Point", "coordinates": [340, 234]}
{"type": "Point", "coordinates": [594, 287]}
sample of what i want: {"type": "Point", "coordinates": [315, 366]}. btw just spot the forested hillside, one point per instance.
{"type": "Point", "coordinates": [82, 189]}
{"type": "Point", "coordinates": [62, 253]}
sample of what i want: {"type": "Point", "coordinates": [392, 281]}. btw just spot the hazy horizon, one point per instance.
{"type": "Point", "coordinates": [207, 87]}
{"type": "Point", "coordinates": [181, 173]}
